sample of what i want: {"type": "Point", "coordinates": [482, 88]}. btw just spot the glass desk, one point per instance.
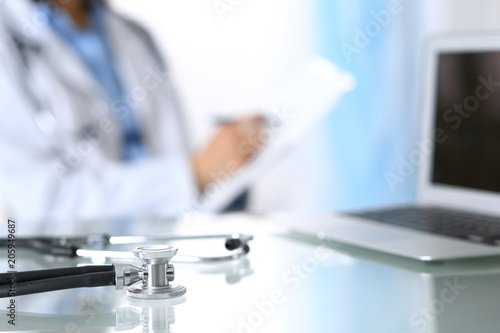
{"type": "Point", "coordinates": [289, 282]}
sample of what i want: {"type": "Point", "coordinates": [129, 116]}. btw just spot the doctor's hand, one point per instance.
{"type": "Point", "coordinates": [230, 148]}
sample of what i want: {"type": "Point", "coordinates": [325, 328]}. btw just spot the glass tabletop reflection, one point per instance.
{"type": "Point", "coordinates": [288, 282]}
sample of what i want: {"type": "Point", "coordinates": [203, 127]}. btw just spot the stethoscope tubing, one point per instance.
{"type": "Point", "coordinates": [33, 282]}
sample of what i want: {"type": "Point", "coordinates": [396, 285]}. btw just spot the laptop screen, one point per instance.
{"type": "Point", "coordinates": [467, 121]}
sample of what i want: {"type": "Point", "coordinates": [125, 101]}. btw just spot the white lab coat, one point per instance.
{"type": "Point", "coordinates": [64, 173]}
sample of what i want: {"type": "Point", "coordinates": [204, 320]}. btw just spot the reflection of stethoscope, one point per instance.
{"type": "Point", "coordinates": [156, 273]}
{"type": "Point", "coordinates": [152, 316]}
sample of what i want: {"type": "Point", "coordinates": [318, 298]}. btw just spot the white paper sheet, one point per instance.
{"type": "Point", "coordinates": [305, 99]}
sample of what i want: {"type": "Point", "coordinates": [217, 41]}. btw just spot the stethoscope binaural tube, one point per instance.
{"type": "Point", "coordinates": [94, 246]}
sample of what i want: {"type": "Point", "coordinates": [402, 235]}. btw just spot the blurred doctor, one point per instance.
{"type": "Point", "coordinates": [90, 126]}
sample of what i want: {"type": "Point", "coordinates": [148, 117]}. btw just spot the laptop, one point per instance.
{"type": "Point", "coordinates": [457, 213]}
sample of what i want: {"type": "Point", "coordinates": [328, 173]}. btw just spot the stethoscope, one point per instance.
{"type": "Point", "coordinates": [152, 280]}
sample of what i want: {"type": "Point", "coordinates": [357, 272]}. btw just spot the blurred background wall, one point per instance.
{"type": "Point", "coordinates": [227, 56]}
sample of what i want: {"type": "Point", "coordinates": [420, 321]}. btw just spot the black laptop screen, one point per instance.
{"type": "Point", "coordinates": [467, 122]}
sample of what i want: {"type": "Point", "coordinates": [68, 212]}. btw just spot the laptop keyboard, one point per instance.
{"type": "Point", "coordinates": [462, 225]}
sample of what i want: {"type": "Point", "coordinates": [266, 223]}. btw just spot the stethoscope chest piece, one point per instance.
{"type": "Point", "coordinates": [157, 274]}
